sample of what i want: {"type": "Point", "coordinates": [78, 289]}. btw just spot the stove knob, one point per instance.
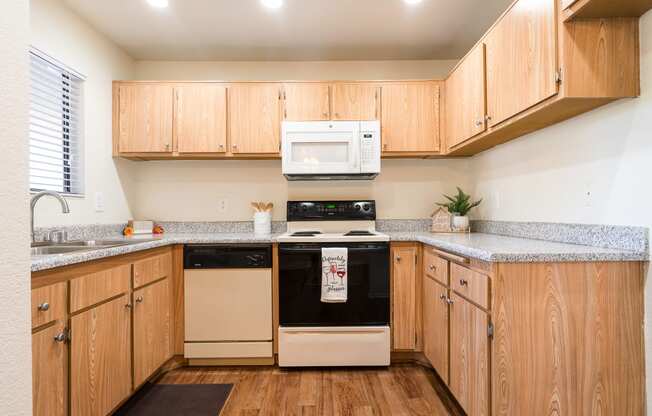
{"type": "Point", "coordinates": [366, 207]}
{"type": "Point", "coordinates": [358, 207]}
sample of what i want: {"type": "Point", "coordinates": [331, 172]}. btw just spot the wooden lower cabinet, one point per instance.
{"type": "Point", "coordinates": [100, 358]}
{"type": "Point", "coordinates": [404, 296]}
{"type": "Point", "coordinates": [435, 326]}
{"type": "Point", "coordinates": [50, 371]}
{"type": "Point", "coordinates": [151, 335]}
{"type": "Point", "coordinates": [469, 356]}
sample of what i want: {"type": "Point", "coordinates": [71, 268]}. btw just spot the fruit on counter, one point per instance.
{"type": "Point", "coordinates": [158, 229]}
{"type": "Point", "coordinates": [128, 231]}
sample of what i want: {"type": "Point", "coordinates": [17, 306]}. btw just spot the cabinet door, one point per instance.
{"type": "Point", "coordinates": [145, 118]}
{"type": "Point", "coordinates": [410, 117]}
{"type": "Point", "coordinates": [521, 59]}
{"type": "Point", "coordinates": [151, 329]}
{"type": "Point", "coordinates": [435, 326]}
{"type": "Point", "coordinates": [469, 356]}
{"type": "Point", "coordinates": [49, 372]}
{"type": "Point", "coordinates": [355, 102]}
{"type": "Point", "coordinates": [100, 358]}
{"type": "Point", "coordinates": [254, 118]}
{"type": "Point", "coordinates": [306, 101]}
{"type": "Point", "coordinates": [465, 99]}
{"type": "Point", "coordinates": [404, 274]}
{"type": "Point", "coordinates": [200, 119]}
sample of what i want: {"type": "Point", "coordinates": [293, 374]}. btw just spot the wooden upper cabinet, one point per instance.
{"type": "Point", "coordinates": [145, 118]}
{"type": "Point", "coordinates": [307, 101]}
{"type": "Point", "coordinates": [100, 358]}
{"type": "Point", "coordinates": [151, 329]}
{"type": "Point", "coordinates": [200, 119]}
{"type": "Point", "coordinates": [355, 101]}
{"type": "Point", "coordinates": [404, 298]}
{"type": "Point", "coordinates": [521, 59]}
{"type": "Point", "coordinates": [465, 98]}
{"type": "Point", "coordinates": [435, 326]}
{"type": "Point", "coordinates": [410, 117]}
{"type": "Point", "coordinates": [254, 118]}
{"type": "Point", "coordinates": [49, 372]}
{"type": "Point", "coordinates": [469, 356]}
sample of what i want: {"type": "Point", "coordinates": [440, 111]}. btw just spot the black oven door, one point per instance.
{"type": "Point", "coordinates": [300, 286]}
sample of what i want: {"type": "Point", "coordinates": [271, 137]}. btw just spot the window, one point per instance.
{"type": "Point", "coordinates": [55, 127]}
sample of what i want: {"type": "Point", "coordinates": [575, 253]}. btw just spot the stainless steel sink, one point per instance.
{"type": "Point", "coordinates": [48, 248]}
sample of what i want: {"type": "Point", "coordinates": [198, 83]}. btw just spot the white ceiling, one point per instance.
{"type": "Point", "coordinates": [239, 30]}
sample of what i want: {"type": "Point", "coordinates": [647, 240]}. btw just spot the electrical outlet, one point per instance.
{"type": "Point", "coordinates": [99, 202]}
{"type": "Point", "coordinates": [222, 205]}
{"type": "Point", "coordinates": [588, 196]}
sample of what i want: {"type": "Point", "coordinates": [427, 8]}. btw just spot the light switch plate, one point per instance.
{"type": "Point", "coordinates": [99, 202]}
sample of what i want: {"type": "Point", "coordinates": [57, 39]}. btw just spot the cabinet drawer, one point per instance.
{"type": "Point", "coordinates": [151, 269]}
{"type": "Point", "coordinates": [48, 304]}
{"type": "Point", "coordinates": [472, 285]}
{"type": "Point", "coordinates": [435, 267]}
{"type": "Point", "coordinates": [97, 287]}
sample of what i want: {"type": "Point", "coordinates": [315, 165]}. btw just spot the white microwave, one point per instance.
{"type": "Point", "coordinates": [330, 150]}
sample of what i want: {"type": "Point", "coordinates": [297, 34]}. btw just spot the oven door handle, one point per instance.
{"type": "Point", "coordinates": [299, 250]}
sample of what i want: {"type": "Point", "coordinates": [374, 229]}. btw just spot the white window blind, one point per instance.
{"type": "Point", "coordinates": [55, 127]}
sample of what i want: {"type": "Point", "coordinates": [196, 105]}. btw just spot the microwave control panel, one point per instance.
{"type": "Point", "coordinates": [370, 146]}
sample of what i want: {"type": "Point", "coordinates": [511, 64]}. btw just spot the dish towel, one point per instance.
{"type": "Point", "coordinates": [334, 271]}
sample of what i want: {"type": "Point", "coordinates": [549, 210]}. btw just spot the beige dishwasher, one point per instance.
{"type": "Point", "coordinates": [228, 304]}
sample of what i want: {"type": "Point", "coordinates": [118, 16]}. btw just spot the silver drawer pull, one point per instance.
{"type": "Point", "coordinates": [43, 306]}
{"type": "Point", "coordinates": [442, 297]}
{"type": "Point", "coordinates": [463, 282]}
{"type": "Point", "coordinates": [139, 299]}
{"type": "Point", "coordinates": [449, 301]}
{"type": "Point", "coordinates": [432, 267]}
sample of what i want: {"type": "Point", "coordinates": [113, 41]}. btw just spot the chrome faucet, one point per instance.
{"type": "Point", "coordinates": [64, 206]}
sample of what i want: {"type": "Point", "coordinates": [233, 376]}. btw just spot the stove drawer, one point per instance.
{"type": "Point", "coordinates": [333, 346]}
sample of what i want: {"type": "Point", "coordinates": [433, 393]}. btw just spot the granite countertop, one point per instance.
{"type": "Point", "coordinates": [498, 248]}
{"type": "Point", "coordinates": [57, 260]}
{"type": "Point", "coordinates": [487, 247]}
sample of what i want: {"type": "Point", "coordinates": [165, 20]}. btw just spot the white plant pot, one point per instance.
{"type": "Point", "coordinates": [460, 223]}
{"type": "Point", "coordinates": [262, 223]}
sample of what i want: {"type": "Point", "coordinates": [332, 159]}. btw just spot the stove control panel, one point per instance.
{"type": "Point", "coordinates": [331, 210]}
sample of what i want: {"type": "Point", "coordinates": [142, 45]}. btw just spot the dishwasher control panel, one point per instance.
{"type": "Point", "coordinates": [241, 256]}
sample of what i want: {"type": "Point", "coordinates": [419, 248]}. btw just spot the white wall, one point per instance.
{"type": "Point", "coordinates": [272, 71]}
{"type": "Point", "coordinates": [63, 35]}
{"type": "Point", "coordinates": [15, 317]}
{"type": "Point", "coordinates": [190, 190]}
{"type": "Point", "coordinates": [607, 152]}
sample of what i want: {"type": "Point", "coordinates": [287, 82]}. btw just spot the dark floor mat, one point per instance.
{"type": "Point", "coordinates": [177, 400]}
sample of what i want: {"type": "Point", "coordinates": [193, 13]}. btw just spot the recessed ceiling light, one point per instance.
{"type": "Point", "coordinates": [272, 4]}
{"type": "Point", "coordinates": [412, 1]}
{"type": "Point", "coordinates": [159, 4]}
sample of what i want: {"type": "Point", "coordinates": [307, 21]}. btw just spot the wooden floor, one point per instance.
{"type": "Point", "coordinates": [399, 390]}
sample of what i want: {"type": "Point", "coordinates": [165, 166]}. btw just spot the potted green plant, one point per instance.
{"type": "Point", "coordinates": [459, 206]}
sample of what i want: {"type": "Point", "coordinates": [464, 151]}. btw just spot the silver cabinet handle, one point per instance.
{"type": "Point", "coordinates": [464, 282]}
{"type": "Point", "coordinates": [221, 146]}
{"type": "Point", "coordinates": [432, 267]}
{"type": "Point", "coordinates": [61, 336]}
{"type": "Point", "coordinates": [43, 306]}
{"type": "Point", "coordinates": [479, 122]}
{"type": "Point", "coordinates": [235, 147]}
{"type": "Point", "coordinates": [325, 114]}
{"type": "Point", "coordinates": [398, 258]}
{"type": "Point", "coordinates": [167, 146]}
{"type": "Point", "coordinates": [139, 299]}
{"type": "Point", "coordinates": [442, 297]}
{"type": "Point", "coordinates": [449, 301]}
{"type": "Point", "coordinates": [128, 306]}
